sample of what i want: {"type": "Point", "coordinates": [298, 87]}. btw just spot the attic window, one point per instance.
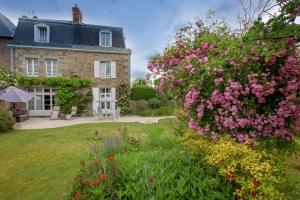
{"type": "Point", "coordinates": [105, 38]}
{"type": "Point", "coordinates": [41, 33]}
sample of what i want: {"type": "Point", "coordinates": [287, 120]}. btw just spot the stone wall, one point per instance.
{"type": "Point", "coordinates": [4, 53]}
{"type": "Point", "coordinates": [75, 63]}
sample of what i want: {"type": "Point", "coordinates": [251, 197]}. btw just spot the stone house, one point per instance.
{"type": "Point", "coordinates": [58, 48]}
{"type": "Point", "coordinates": [7, 31]}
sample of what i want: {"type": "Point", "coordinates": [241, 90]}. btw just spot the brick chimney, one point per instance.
{"type": "Point", "coordinates": [77, 17]}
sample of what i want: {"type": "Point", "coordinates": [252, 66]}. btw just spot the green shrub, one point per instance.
{"type": "Point", "coordinates": [155, 103]}
{"type": "Point", "coordinates": [154, 168]}
{"type": "Point", "coordinates": [6, 121]}
{"type": "Point", "coordinates": [254, 172]}
{"type": "Point", "coordinates": [139, 92]}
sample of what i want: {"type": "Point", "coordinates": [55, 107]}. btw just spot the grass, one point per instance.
{"type": "Point", "coordinates": [162, 111]}
{"type": "Point", "coordinates": [41, 164]}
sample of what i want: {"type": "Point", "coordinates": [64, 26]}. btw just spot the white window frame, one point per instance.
{"type": "Point", "coordinates": [110, 39]}
{"type": "Point", "coordinates": [34, 67]}
{"type": "Point", "coordinates": [37, 33]}
{"type": "Point", "coordinates": [106, 94]}
{"type": "Point", "coordinates": [41, 92]}
{"type": "Point", "coordinates": [105, 70]}
{"type": "Point", "coordinates": [53, 73]}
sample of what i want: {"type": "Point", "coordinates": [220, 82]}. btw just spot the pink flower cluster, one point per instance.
{"type": "Point", "coordinates": [191, 98]}
{"type": "Point", "coordinates": [265, 103]}
{"type": "Point", "coordinates": [261, 90]}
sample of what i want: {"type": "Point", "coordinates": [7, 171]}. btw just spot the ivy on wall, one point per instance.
{"type": "Point", "coordinates": [123, 97]}
{"type": "Point", "coordinates": [67, 90]}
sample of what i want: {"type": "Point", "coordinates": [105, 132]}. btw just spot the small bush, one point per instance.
{"type": "Point", "coordinates": [144, 92]}
{"type": "Point", "coordinates": [255, 173]}
{"type": "Point", "coordinates": [155, 103]}
{"type": "Point", "coordinates": [6, 121]}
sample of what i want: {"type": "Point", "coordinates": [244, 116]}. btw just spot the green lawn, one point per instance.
{"type": "Point", "coordinates": [40, 164]}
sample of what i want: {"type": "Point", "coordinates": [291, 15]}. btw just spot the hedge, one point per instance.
{"type": "Point", "coordinates": [144, 92]}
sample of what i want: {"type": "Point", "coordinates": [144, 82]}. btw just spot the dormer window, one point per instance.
{"type": "Point", "coordinates": [41, 33]}
{"type": "Point", "coordinates": [105, 38]}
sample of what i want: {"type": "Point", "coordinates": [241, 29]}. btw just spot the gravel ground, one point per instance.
{"type": "Point", "coordinates": [42, 123]}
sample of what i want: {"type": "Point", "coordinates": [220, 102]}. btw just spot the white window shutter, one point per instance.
{"type": "Point", "coordinates": [95, 98]}
{"type": "Point", "coordinates": [113, 97]}
{"type": "Point", "coordinates": [96, 68]}
{"type": "Point", "coordinates": [113, 69]}
{"type": "Point", "coordinates": [36, 34]}
{"type": "Point", "coordinates": [113, 94]}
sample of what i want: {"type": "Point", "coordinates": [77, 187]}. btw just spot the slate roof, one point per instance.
{"type": "Point", "coordinates": [66, 34]}
{"type": "Point", "coordinates": [7, 28]}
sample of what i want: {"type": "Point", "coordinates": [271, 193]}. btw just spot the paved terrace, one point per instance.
{"type": "Point", "coordinates": [42, 123]}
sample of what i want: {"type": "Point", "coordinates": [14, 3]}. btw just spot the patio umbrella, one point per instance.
{"type": "Point", "coordinates": [15, 95]}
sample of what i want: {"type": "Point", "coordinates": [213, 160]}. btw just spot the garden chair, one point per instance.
{"type": "Point", "coordinates": [74, 110]}
{"type": "Point", "coordinates": [117, 113]}
{"type": "Point", "coordinates": [55, 113]}
{"type": "Point", "coordinates": [97, 113]}
{"type": "Point", "coordinates": [72, 114]}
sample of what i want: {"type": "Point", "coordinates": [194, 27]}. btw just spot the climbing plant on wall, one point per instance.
{"type": "Point", "coordinates": [67, 90]}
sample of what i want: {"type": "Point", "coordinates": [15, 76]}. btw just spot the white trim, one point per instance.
{"type": "Point", "coordinates": [113, 69]}
{"type": "Point", "coordinates": [36, 33]}
{"type": "Point", "coordinates": [103, 71]}
{"type": "Point", "coordinates": [42, 93]}
{"type": "Point", "coordinates": [110, 39]}
{"type": "Point", "coordinates": [32, 66]}
{"type": "Point", "coordinates": [52, 74]}
{"type": "Point", "coordinates": [96, 69]}
{"type": "Point", "coordinates": [125, 51]}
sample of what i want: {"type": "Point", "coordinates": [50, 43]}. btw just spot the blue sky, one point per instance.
{"type": "Point", "coordinates": [149, 25]}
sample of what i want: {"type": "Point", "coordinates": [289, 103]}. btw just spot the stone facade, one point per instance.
{"type": "Point", "coordinates": [73, 63]}
{"type": "Point", "coordinates": [4, 52]}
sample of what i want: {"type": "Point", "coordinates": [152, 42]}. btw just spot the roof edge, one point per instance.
{"type": "Point", "coordinates": [67, 22]}
{"type": "Point", "coordinates": [121, 51]}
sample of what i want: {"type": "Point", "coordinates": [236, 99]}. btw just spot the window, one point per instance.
{"type": "Point", "coordinates": [105, 38]}
{"type": "Point", "coordinates": [105, 93]}
{"type": "Point", "coordinates": [105, 69]}
{"type": "Point", "coordinates": [44, 99]}
{"type": "Point", "coordinates": [105, 105]}
{"type": "Point", "coordinates": [51, 67]}
{"type": "Point", "coordinates": [41, 33]}
{"type": "Point", "coordinates": [32, 67]}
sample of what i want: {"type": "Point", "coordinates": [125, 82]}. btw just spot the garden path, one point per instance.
{"type": "Point", "coordinates": [42, 123]}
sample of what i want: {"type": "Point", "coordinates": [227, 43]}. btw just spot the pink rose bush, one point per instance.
{"type": "Point", "coordinates": [240, 89]}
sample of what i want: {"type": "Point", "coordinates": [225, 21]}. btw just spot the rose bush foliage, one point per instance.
{"type": "Point", "coordinates": [247, 86]}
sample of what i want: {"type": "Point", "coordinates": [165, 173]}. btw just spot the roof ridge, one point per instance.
{"type": "Point", "coordinates": [68, 23]}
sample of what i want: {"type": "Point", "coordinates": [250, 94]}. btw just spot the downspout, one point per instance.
{"type": "Point", "coordinates": [13, 59]}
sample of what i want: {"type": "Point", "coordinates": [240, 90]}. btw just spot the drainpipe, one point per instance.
{"type": "Point", "coordinates": [13, 59]}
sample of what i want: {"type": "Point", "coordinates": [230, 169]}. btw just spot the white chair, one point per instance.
{"type": "Point", "coordinates": [97, 113]}
{"type": "Point", "coordinates": [55, 113]}
{"type": "Point", "coordinates": [117, 113]}
{"type": "Point", "coordinates": [72, 114]}
{"type": "Point", "coordinates": [74, 111]}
